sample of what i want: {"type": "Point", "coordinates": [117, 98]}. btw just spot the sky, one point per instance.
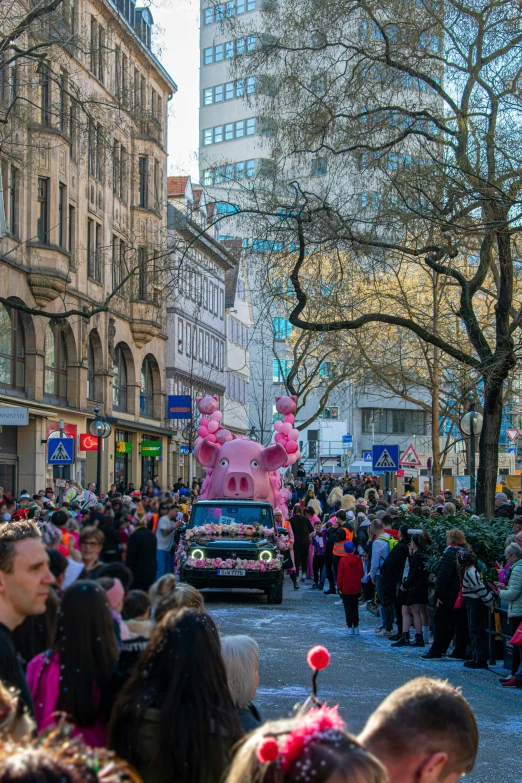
{"type": "Point", "coordinates": [177, 23]}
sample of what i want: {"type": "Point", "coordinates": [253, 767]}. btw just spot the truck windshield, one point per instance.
{"type": "Point", "coordinates": [222, 514]}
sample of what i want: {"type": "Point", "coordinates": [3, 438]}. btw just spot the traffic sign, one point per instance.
{"type": "Point", "coordinates": [512, 450]}
{"type": "Point", "coordinates": [367, 456]}
{"type": "Point", "coordinates": [88, 442]}
{"type": "Point", "coordinates": [348, 440]}
{"type": "Point", "coordinates": [512, 434]}
{"type": "Point", "coordinates": [385, 458]}
{"type": "Point", "coordinates": [410, 457]}
{"type": "Point", "coordinates": [60, 451]}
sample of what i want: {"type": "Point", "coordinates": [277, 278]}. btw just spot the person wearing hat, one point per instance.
{"type": "Point", "coordinates": [349, 575]}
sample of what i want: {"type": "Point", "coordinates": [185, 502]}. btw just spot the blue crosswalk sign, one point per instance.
{"type": "Point", "coordinates": [385, 458]}
{"type": "Point", "coordinates": [367, 456]}
{"type": "Point", "coordinates": [60, 451]}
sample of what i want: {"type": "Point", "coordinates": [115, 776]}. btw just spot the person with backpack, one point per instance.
{"type": "Point", "coordinates": [392, 574]}
{"type": "Point", "coordinates": [382, 545]}
{"type": "Point", "coordinates": [447, 588]}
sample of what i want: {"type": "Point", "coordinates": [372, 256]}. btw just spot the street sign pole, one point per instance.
{"type": "Point", "coordinates": [99, 467]}
{"type": "Point", "coordinates": [60, 469]}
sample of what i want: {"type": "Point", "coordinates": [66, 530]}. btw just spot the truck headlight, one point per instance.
{"type": "Point", "coordinates": [265, 555]}
{"type": "Point", "coordinates": [198, 554]}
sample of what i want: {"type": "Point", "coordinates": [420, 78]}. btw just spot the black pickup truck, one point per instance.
{"type": "Point", "coordinates": [230, 543]}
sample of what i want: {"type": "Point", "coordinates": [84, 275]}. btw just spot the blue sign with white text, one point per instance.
{"type": "Point", "coordinates": [348, 440]}
{"type": "Point", "coordinates": [60, 451]}
{"type": "Point", "coordinates": [179, 406]}
{"type": "Point", "coordinates": [385, 458]}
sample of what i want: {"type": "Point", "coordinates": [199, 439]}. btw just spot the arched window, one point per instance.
{"type": "Point", "coordinates": [90, 371]}
{"type": "Point", "coordinates": [55, 362]}
{"type": "Point", "coordinates": [12, 349]}
{"type": "Point", "coordinates": [147, 389]}
{"type": "Point", "coordinates": [119, 380]}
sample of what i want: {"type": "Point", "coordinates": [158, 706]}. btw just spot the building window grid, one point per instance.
{"type": "Point", "coordinates": [119, 381]}
{"type": "Point", "coordinates": [217, 13]}
{"type": "Point", "coordinates": [394, 421]}
{"type": "Point", "coordinates": [229, 49]}
{"type": "Point", "coordinates": [229, 131]}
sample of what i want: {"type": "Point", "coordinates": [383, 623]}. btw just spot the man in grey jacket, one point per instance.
{"type": "Point", "coordinates": [380, 551]}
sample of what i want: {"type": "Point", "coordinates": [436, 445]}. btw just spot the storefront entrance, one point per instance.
{"type": "Point", "coordinates": [122, 459]}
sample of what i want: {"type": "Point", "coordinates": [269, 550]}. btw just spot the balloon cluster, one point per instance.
{"type": "Point", "coordinates": [286, 434]}
{"type": "Point", "coordinates": [210, 425]}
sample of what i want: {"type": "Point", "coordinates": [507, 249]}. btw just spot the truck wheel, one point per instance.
{"type": "Point", "coordinates": [274, 594]}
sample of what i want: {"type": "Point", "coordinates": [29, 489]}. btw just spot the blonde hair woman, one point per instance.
{"type": "Point", "coordinates": [241, 656]}
{"type": "Point", "coordinates": [348, 502]}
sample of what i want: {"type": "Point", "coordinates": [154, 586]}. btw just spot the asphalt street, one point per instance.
{"type": "Point", "coordinates": [362, 671]}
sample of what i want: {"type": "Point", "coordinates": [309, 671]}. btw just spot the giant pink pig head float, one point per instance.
{"type": "Point", "coordinates": [286, 405]}
{"type": "Point", "coordinates": [241, 468]}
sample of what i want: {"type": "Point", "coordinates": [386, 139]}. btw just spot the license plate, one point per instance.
{"type": "Point", "coordinates": [230, 572]}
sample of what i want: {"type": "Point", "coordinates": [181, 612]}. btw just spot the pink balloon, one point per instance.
{"type": "Point", "coordinates": [223, 436]}
{"type": "Point", "coordinates": [280, 438]}
{"type": "Point", "coordinates": [290, 418]}
{"type": "Point", "coordinates": [204, 422]}
{"type": "Point", "coordinates": [213, 426]}
{"type": "Point", "coordinates": [293, 435]}
{"type": "Point", "coordinates": [198, 441]}
{"type": "Point", "coordinates": [278, 426]}
{"type": "Point", "coordinates": [216, 416]}
{"type": "Point", "coordinates": [297, 454]}
{"type": "Point", "coordinates": [212, 438]}
{"type": "Point", "coordinates": [202, 431]}
{"type": "Point", "coordinates": [292, 458]}
{"type": "Point", "coordinates": [291, 446]}
{"type": "Point", "coordinates": [285, 427]}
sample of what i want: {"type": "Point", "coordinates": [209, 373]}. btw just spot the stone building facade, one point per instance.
{"type": "Point", "coordinates": [83, 163]}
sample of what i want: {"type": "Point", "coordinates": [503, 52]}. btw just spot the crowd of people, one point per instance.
{"type": "Point", "coordinates": [111, 669]}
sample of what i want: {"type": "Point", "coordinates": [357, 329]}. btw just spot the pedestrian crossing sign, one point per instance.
{"type": "Point", "coordinates": [385, 458]}
{"type": "Point", "coordinates": [60, 451]}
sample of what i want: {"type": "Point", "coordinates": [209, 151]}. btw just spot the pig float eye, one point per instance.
{"type": "Point", "coordinates": [255, 463]}
{"type": "Point", "coordinates": [224, 463]}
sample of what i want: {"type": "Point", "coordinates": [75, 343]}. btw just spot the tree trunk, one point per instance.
{"type": "Point", "coordinates": [435, 394]}
{"type": "Point", "coordinates": [435, 425]}
{"type": "Point", "coordinates": [488, 448]}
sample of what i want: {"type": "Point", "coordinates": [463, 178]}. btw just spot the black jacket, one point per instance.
{"type": "Point", "coordinates": [301, 528]}
{"type": "Point", "coordinates": [249, 718]}
{"type": "Point", "coordinates": [393, 568]}
{"type": "Point", "coordinates": [11, 671]}
{"type": "Point", "coordinates": [447, 583]}
{"type": "Point", "coordinates": [505, 511]}
{"type": "Point", "coordinates": [141, 558]}
{"type": "Point", "coordinates": [416, 583]}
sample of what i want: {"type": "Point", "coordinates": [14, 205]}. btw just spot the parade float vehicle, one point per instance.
{"type": "Point", "coordinates": [231, 540]}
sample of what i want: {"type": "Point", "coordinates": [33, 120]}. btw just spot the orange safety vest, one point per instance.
{"type": "Point", "coordinates": [338, 550]}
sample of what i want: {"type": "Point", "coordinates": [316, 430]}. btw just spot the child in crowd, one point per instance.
{"type": "Point", "coordinates": [349, 576]}
{"type": "Point", "coordinates": [136, 614]}
{"type": "Point", "coordinates": [319, 548]}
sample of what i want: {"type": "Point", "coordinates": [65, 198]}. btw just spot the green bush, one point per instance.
{"type": "Point", "coordinates": [486, 537]}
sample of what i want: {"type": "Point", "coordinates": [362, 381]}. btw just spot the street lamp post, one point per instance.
{"type": "Point", "coordinates": [471, 425]}
{"type": "Point", "coordinates": [99, 428]}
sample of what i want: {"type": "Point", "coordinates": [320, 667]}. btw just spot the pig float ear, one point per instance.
{"type": "Point", "coordinates": [274, 457]}
{"type": "Point", "coordinates": [207, 454]}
